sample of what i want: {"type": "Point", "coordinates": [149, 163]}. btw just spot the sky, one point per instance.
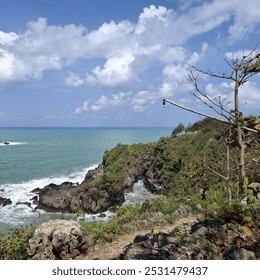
{"type": "Point", "coordinates": [100, 63]}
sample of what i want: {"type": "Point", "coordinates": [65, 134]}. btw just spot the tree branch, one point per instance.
{"type": "Point", "coordinates": [193, 111]}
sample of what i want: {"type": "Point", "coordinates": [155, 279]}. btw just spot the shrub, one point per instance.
{"type": "Point", "coordinates": [14, 245]}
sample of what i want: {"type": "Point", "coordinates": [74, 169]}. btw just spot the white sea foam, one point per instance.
{"type": "Point", "coordinates": [22, 214]}
{"type": "Point", "coordinates": [12, 143]}
{"type": "Point", "coordinates": [21, 192]}
{"type": "Point", "coordinates": [138, 195]}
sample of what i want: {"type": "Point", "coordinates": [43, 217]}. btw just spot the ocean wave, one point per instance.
{"type": "Point", "coordinates": [12, 143]}
{"type": "Point", "coordinates": [21, 192]}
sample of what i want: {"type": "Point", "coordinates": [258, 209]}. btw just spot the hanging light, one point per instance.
{"type": "Point", "coordinates": [164, 103]}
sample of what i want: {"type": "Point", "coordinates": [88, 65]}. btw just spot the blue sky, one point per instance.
{"type": "Point", "coordinates": [110, 63]}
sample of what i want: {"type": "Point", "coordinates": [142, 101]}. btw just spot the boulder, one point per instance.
{"type": "Point", "coordinates": [58, 240]}
{"type": "Point", "coordinates": [56, 198]}
{"type": "Point", "coordinates": [5, 201]}
{"type": "Point", "coordinates": [234, 253]}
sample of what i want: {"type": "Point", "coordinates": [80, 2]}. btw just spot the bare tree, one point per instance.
{"type": "Point", "coordinates": [242, 69]}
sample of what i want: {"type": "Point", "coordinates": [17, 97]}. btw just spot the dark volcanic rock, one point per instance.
{"type": "Point", "coordinates": [210, 239]}
{"type": "Point", "coordinates": [5, 201]}
{"type": "Point", "coordinates": [69, 197]}
{"type": "Point", "coordinates": [56, 198]}
{"type": "Point", "coordinates": [24, 203]}
{"type": "Point", "coordinates": [234, 253]}
{"type": "Point", "coordinates": [96, 200]}
{"type": "Point", "coordinates": [94, 173]}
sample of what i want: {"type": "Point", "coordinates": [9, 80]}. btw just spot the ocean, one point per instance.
{"type": "Point", "coordinates": [36, 157]}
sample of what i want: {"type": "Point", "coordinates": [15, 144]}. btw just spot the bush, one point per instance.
{"type": "Point", "coordinates": [14, 245]}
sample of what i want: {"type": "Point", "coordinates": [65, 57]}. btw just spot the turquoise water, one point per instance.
{"type": "Point", "coordinates": [36, 157]}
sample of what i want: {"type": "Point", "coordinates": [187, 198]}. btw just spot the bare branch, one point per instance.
{"type": "Point", "coordinates": [210, 73]}
{"type": "Point", "coordinates": [195, 112]}
{"type": "Point", "coordinates": [250, 129]}
{"type": "Point", "coordinates": [215, 104]}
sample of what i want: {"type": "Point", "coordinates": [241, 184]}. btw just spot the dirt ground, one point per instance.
{"type": "Point", "coordinates": [111, 250]}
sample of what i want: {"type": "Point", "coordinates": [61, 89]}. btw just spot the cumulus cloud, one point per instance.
{"type": "Point", "coordinates": [106, 102]}
{"type": "Point", "coordinates": [82, 108]}
{"type": "Point", "coordinates": [73, 80]}
{"type": "Point", "coordinates": [7, 39]}
{"type": "Point", "coordinates": [128, 48]}
{"type": "Point", "coordinates": [40, 48]}
{"type": "Point", "coordinates": [116, 71]}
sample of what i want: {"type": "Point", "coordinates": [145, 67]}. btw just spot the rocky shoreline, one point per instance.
{"type": "Point", "coordinates": [188, 238]}
{"type": "Point", "coordinates": [70, 197]}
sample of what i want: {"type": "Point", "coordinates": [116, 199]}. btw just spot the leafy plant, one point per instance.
{"type": "Point", "coordinates": [14, 245]}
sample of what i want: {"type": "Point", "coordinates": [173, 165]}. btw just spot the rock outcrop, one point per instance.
{"type": "Point", "coordinates": [58, 240]}
{"type": "Point", "coordinates": [55, 198]}
{"type": "Point", "coordinates": [211, 239]}
{"type": "Point", "coordinates": [70, 198]}
{"type": "Point", "coordinates": [5, 201]}
{"type": "Point", "coordinates": [88, 196]}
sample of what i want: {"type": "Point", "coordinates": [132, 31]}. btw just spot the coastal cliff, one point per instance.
{"type": "Point", "coordinates": [192, 164]}
{"type": "Point", "coordinates": [183, 171]}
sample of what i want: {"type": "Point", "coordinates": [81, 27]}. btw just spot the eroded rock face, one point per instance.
{"type": "Point", "coordinates": [71, 198]}
{"type": "Point", "coordinates": [56, 198]}
{"type": "Point", "coordinates": [58, 240]}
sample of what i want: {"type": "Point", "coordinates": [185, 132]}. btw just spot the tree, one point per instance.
{"type": "Point", "coordinates": [177, 130]}
{"type": "Point", "coordinates": [242, 69]}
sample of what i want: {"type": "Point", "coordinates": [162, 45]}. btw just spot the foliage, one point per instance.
{"type": "Point", "coordinates": [107, 231]}
{"type": "Point", "coordinates": [178, 130]}
{"type": "Point", "coordinates": [119, 163]}
{"type": "Point", "coordinates": [183, 166]}
{"type": "Point", "coordinates": [14, 245]}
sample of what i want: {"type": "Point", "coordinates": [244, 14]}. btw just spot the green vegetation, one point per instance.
{"type": "Point", "coordinates": [119, 163]}
{"type": "Point", "coordinates": [107, 231]}
{"type": "Point", "coordinates": [14, 245]}
{"type": "Point", "coordinates": [183, 165]}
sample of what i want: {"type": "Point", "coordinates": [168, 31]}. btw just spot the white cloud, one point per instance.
{"type": "Point", "coordinates": [238, 54]}
{"type": "Point", "coordinates": [7, 39]}
{"type": "Point", "coordinates": [115, 100]}
{"type": "Point", "coordinates": [104, 102]}
{"type": "Point", "coordinates": [109, 39]}
{"type": "Point", "coordinates": [40, 48]}
{"type": "Point", "coordinates": [249, 94]}
{"type": "Point", "coordinates": [142, 100]}
{"type": "Point", "coordinates": [82, 108]}
{"type": "Point", "coordinates": [116, 71]}
{"type": "Point", "coordinates": [129, 48]}
{"type": "Point", "coordinates": [246, 17]}
{"type": "Point", "coordinates": [73, 80]}
{"type": "Point", "coordinates": [145, 98]}
{"type": "Point", "coordinates": [51, 117]}
{"type": "Point", "coordinates": [173, 54]}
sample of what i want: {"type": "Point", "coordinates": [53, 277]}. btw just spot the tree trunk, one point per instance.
{"type": "Point", "coordinates": [228, 166]}
{"type": "Point", "coordinates": [240, 142]}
